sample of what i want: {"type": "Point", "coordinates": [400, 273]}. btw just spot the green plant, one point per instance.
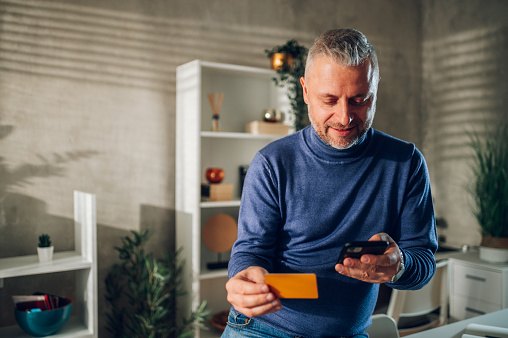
{"type": "Point", "coordinates": [44, 241]}
{"type": "Point", "coordinates": [290, 77]}
{"type": "Point", "coordinates": [489, 184]}
{"type": "Point", "coordinates": [291, 47]}
{"type": "Point", "coordinates": [142, 292]}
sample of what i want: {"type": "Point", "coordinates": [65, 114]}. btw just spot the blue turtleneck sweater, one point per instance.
{"type": "Point", "coordinates": [303, 200]}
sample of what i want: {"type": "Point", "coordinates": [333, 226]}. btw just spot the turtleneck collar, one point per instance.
{"type": "Point", "coordinates": [326, 152]}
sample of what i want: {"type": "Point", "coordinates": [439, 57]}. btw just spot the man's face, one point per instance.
{"type": "Point", "coordinates": [341, 100]}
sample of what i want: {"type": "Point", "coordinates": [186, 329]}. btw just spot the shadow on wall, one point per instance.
{"type": "Point", "coordinates": [466, 88]}
{"type": "Point", "coordinates": [23, 218]}
{"type": "Point", "coordinates": [100, 45]}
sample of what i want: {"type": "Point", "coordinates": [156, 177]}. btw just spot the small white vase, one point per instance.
{"type": "Point", "coordinates": [45, 254]}
{"type": "Point", "coordinates": [493, 255]}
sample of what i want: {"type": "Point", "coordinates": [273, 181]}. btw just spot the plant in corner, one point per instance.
{"type": "Point", "coordinates": [289, 75]}
{"type": "Point", "coordinates": [44, 248]}
{"type": "Point", "coordinates": [489, 189]}
{"type": "Point", "coordinates": [142, 292]}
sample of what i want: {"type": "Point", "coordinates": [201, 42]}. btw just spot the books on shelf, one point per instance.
{"type": "Point", "coordinates": [39, 301]}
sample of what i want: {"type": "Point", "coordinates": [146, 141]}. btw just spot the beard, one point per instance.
{"type": "Point", "coordinates": [359, 129]}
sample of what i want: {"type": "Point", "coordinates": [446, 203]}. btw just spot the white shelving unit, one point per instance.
{"type": "Point", "coordinates": [247, 92]}
{"type": "Point", "coordinates": [83, 260]}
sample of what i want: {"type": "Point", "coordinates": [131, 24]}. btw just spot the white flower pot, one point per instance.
{"type": "Point", "coordinates": [493, 255]}
{"type": "Point", "coordinates": [45, 254]}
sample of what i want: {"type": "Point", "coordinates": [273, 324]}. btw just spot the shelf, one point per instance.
{"type": "Point", "coordinates": [248, 136]}
{"type": "Point", "coordinates": [248, 91]}
{"type": "Point", "coordinates": [83, 260]}
{"type": "Point", "coordinates": [220, 204]}
{"type": "Point", "coordinates": [73, 328]}
{"type": "Point", "coordinates": [29, 265]}
{"type": "Point", "coordinates": [210, 274]}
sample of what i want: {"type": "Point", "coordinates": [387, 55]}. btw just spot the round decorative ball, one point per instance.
{"type": "Point", "coordinates": [219, 232]}
{"type": "Point", "coordinates": [214, 175]}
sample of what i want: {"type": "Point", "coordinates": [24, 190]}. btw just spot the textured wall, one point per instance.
{"type": "Point", "coordinates": [87, 102]}
{"type": "Point", "coordinates": [465, 84]}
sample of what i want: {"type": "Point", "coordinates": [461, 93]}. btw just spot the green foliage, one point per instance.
{"type": "Point", "coordinates": [44, 241]}
{"type": "Point", "coordinates": [142, 292]}
{"type": "Point", "coordinates": [291, 47]}
{"type": "Point", "coordinates": [489, 184]}
{"type": "Point", "coordinates": [290, 77]}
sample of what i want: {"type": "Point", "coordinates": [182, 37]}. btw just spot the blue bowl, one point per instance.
{"type": "Point", "coordinates": [44, 323]}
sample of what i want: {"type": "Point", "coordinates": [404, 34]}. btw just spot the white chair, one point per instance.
{"type": "Point", "coordinates": [383, 326]}
{"type": "Point", "coordinates": [415, 310]}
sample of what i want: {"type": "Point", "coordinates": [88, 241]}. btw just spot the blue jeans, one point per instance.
{"type": "Point", "coordinates": [243, 326]}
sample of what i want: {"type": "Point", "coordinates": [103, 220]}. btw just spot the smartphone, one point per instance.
{"type": "Point", "coordinates": [357, 249]}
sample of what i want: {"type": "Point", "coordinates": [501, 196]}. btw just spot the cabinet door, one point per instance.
{"type": "Point", "coordinates": [466, 307]}
{"type": "Point", "coordinates": [477, 283]}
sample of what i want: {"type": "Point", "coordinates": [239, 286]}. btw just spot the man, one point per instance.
{"type": "Point", "coordinates": [308, 194]}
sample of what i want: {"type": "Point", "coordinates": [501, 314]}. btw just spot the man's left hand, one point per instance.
{"type": "Point", "coordinates": [373, 268]}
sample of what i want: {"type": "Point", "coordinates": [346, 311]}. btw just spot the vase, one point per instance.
{"type": "Point", "coordinates": [494, 249]}
{"type": "Point", "coordinates": [281, 61]}
{"type": "Point", "coordinates": [214, 175]}
{"type": "Point", "coordinates": [45, 254]}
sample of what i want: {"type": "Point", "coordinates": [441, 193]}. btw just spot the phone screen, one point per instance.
{"type": "Point", "coordinates": [357, 249]}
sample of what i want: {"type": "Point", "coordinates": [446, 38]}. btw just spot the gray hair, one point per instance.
{"type": "Point", "coordinates": [345, 46]}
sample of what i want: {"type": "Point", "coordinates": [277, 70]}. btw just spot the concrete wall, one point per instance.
{"type": "Point", "coordinates": [465, 84]}
{"type": "Point", "coordinates": [87, 100]}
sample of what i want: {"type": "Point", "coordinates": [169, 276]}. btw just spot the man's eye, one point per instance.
{"type": "Point", "coordinates": [358, 101]}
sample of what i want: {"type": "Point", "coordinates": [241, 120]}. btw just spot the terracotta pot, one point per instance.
{"type": "Point", "coordinates": [494, 249]}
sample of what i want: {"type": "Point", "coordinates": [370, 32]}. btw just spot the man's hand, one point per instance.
{"type": "Point", "coordinates": [373, 268]}
{"type": "Point", "coordinates": [250, 295]}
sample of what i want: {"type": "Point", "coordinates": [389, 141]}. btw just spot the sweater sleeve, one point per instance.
{"type": "Point", "coordinates": [417, 235]}
{"type": "Point", "coordinates": [259, 219]}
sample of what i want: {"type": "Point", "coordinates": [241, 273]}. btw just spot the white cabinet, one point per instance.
{"type": "Point", "coordinates": [476, 287]}
{"type": "Point", "coordinates": [247, 92]}
{"type": "Point", "coordinates": [83, 260]}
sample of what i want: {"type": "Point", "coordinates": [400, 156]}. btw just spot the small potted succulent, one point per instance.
{"type": "Point", "coordinates": [44, 248]}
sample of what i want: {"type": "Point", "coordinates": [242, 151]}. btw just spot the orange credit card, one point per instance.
{"type": "Point", "coordinates": [293, 285]}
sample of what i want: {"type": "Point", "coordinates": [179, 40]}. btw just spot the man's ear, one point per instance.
{"type": "Point", "coordinates": [304, 88]}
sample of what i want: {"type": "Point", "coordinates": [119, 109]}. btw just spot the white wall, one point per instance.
{"type": "Point", "coordinates": [465, 83]}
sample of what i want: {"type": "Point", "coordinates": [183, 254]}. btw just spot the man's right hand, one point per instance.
{"type": "Point", "coordinates": [250, 295]}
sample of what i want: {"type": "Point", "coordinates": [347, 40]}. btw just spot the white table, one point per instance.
{"type": "Point", "coordinates": [455, 330]}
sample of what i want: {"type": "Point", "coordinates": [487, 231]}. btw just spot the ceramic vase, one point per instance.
{"type": "Point", "coordinates": [45, 254]}
{"type": "Point", "coordinates": [494, 249]}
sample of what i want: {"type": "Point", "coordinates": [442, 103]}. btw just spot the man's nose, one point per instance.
{"type": "Point", "coordinates": [343, 113]}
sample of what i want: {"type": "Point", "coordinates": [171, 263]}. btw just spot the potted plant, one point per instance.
{"type": "Point", "coordinates": [289, 72]}
{"type": "Point", "coordinates": [142, 291]}
{"type": "Point", "coordinates": [44, 248]}
{"type": "Point", "coordinates": [489, 189]}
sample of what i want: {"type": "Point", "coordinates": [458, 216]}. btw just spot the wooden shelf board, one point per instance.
{"type": "Point", "coordinates": [29, 265]}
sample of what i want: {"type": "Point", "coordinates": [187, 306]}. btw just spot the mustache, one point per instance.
{"type": "Point", "coordinates": [339, 126]}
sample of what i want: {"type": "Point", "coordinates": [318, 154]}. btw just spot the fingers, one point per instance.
{"type": "Point", "coordinates": [370, 273]}
{"type": "Point", "coordinates": [249, 294]}
{"type": "Point", "coordinates": [253, 305]}
{"type": "Point", "coordinates": [373, 268]}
